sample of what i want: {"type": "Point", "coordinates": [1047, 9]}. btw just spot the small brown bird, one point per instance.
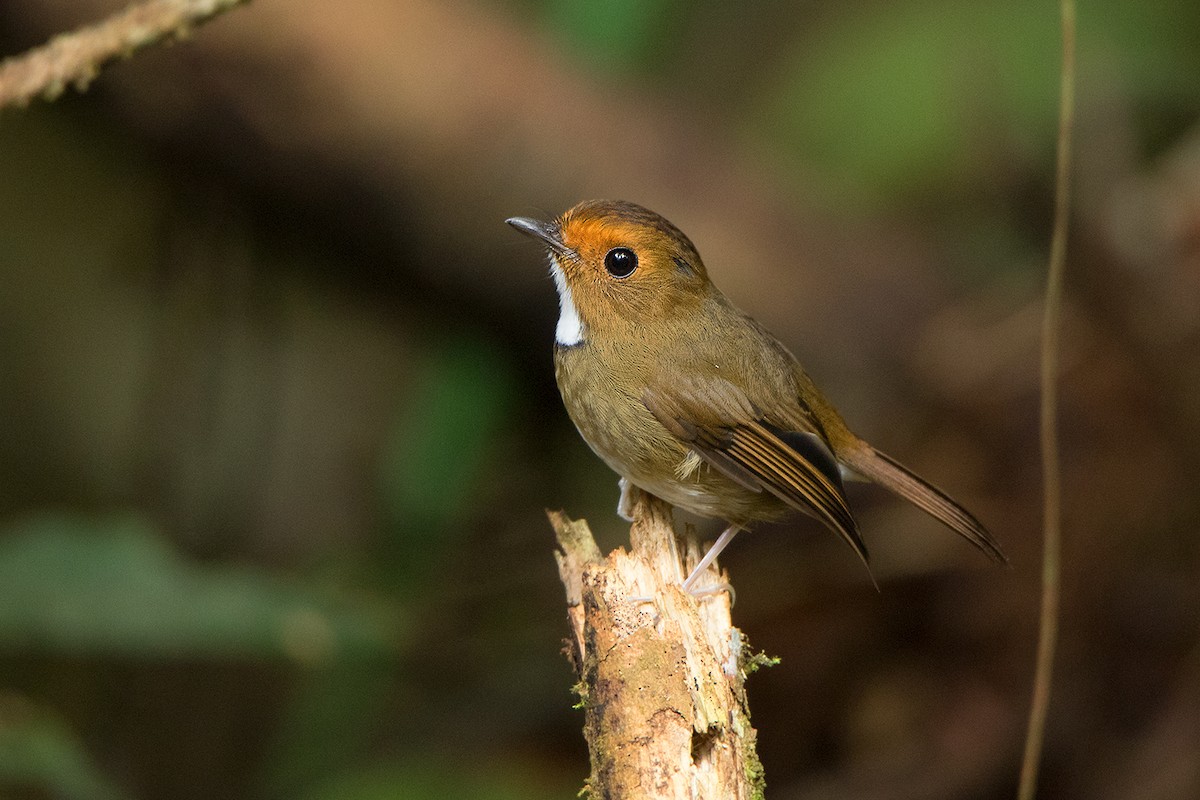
{"type": "Point", "coordinates": [691, 400]}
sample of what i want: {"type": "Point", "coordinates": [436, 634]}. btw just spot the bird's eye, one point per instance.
{"type": "Point", "coordinates": [620, 262]}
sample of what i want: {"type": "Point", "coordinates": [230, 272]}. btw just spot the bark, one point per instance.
{"type": "Point", "coordinates": [74, 59]}
{"type": "Point", "coordinates": [661, 673]}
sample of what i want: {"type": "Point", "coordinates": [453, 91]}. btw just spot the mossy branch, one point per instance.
{"type": "Point", "coordinates": [661, 674]}
{"type": "Point", "coordinates": [76, 58]}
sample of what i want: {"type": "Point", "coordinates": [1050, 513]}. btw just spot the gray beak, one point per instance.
{"type": "Point", "coordinates": [545, 232]}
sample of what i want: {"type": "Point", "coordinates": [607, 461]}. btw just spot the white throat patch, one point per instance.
{"type": "Point", "coordinates": [570, 327]}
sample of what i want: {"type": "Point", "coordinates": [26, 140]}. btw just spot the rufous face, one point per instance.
{"type": "Point", "coordinates": [621, 267]}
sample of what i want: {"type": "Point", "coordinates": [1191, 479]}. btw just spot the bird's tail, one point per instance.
{"type": "Point", "coordinates": [892, 475]}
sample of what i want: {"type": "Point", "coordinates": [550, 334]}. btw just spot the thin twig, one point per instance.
{"type": "Point", "coordinates": [1052, 502]}
{"type": "Point", "coordinates": [75, 59]}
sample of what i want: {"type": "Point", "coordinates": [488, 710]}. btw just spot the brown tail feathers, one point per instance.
{"type": "Point", "coordinates": [891, 474]}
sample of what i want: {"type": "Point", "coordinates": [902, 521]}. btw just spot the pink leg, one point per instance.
{"type": "Point", "coordinates": [720, 544]}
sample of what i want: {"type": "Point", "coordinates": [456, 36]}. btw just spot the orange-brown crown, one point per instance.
{"type": "Point", "coordinates": [594, 227]}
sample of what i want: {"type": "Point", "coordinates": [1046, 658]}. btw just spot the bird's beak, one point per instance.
{"type": "Point", "coordinates": [547, 232]}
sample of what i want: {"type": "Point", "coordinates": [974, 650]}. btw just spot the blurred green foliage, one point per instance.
{"type": "Point", "coordinates": [460, 396]}
{"type": "Point", "coordinates": [883, 101]}
{"type": "Point", "coordinates": [38, 751]}
{"type": "Point", "coordinates": [617, 36]}
{"type": "Point", "coordinates": [889, 104]}
{"type": "Point", "coordinates": [112, 587]}
{"type": "Point", "coordinates": [893, 103]}
{"type": "Point", "coordinates": [333, 715]}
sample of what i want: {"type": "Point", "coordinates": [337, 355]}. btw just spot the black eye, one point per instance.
{"type": "Point", "coordinates": [620, 262]}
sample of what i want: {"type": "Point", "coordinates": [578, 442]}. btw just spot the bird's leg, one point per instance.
{"type": "Point", "coordinates": [625, 504]}
{"type": "Point", "coordinates": [720, 544]}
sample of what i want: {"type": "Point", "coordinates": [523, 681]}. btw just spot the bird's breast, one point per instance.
{"type": "Point", "coordinates": [605, 403]}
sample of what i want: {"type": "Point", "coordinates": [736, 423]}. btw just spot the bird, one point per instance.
{"type": "Point", "coordinates": [690, 399]}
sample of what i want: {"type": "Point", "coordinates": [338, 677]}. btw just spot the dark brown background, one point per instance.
{"type": "Point", "coordinates": [278, 422]}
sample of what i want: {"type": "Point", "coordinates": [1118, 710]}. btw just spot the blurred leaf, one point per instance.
{"type": "Point", "coordinates": [883, 100]}
{"type": "Point", "coordinates": [39, 753]}
{"type": "Point", "coordinates": [905, 98]}
{"type": "Point", "coordinates": [615, 35]}
{"type": "Point", "coordinates": [333, 717]}
{"type": "Point", "coordinates": [434, 779]}
{"type": "Point", "coordinates": [445, 433]}
{"type": "Point", "coordinates": [112, 587]}
{"type": "Point", "coordinates": [438, 449]}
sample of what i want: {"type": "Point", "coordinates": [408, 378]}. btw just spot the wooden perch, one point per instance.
{"type": "Point", "coordinates": [661, 673]}
{"type": "Point", "coordinates": [74, 59]}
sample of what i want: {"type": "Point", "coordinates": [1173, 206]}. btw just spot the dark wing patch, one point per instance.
{"type": "Point", "coordinates": [814, 450]}
{"type": "Point", "coordinates": [719, 422]}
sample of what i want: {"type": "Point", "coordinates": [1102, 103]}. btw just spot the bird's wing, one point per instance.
{"type": "Point", "coordinates": [756, 449]}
